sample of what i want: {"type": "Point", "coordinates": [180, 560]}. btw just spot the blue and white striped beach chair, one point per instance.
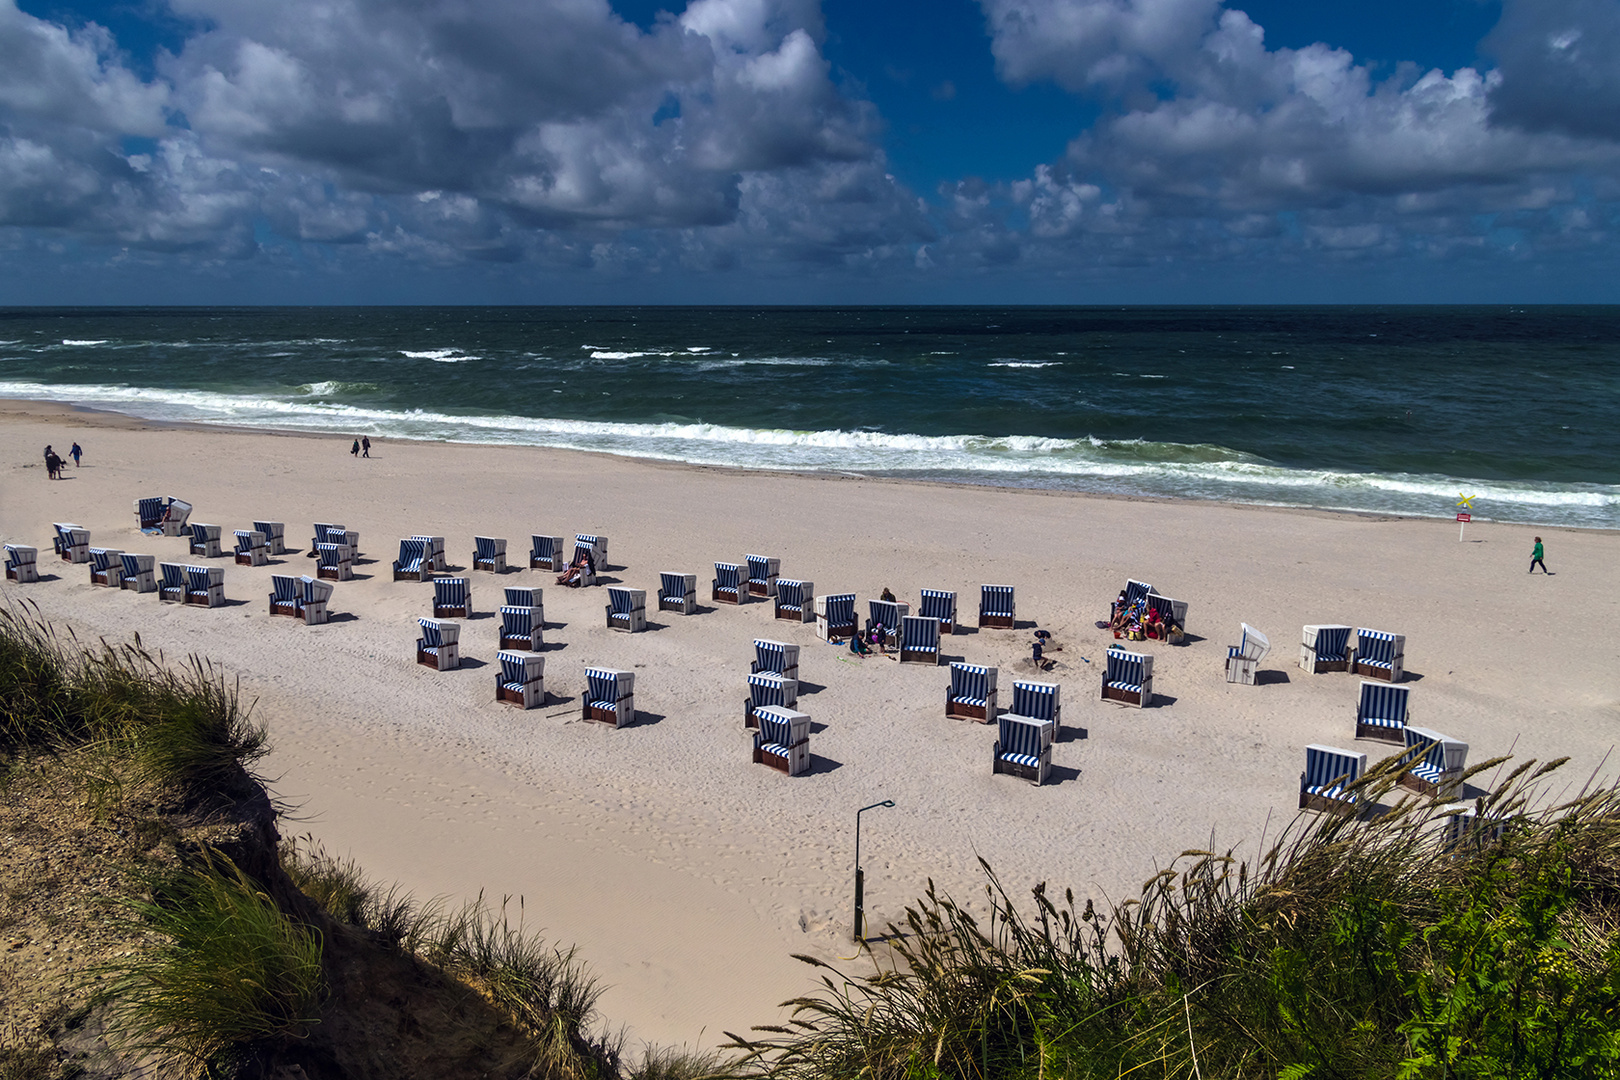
{"type": "Point", "coordinates": [286, 595]}
{"type": "Point", "coordinates": [251, 548]}
{"type": "Point", "coordinates": [149, 512]}
{"type": "Point", "coordinates": [433, 549]}
{"type": "Point", "coordinates": [939, 605]}
{"type": "Point", "coordinates": [107, 567]}
{"type": "Point", "coordinates": [1380, 655]}
{"type": "Point", "coordinates": [414, 560]}
{"type": "Point", "coordinates": [321, 537]}
{"type": "Point", "coordinates": [598, 545]}
{"type": "Point", "coordinates": [835, 619]}
{"type": "Point", "coordinates": [1435, 763]}
{"type": "Point", "coordinates": [439, 647]}
{"type": "Point", "coordinates": [72, 542]}
{"type": "Point", "coordinates": [1023, 749]}
{"type": "Point", "coordinates": [919, 640]}
{"type": "Point", "coordinates": [795, 600]}
{"type": "Point", "coordinates": [1243, 659]}
{"type": "Point", "coordinates": [763, 571]}
{"type": "Point", "coordinates": [312, 601]}
{"type": "Point", "coordinates": [1173, 614]}
{"type": "Point", "coordinates": [139, 572]}
{"type": "Point", "coordinates": [521, 629]}
{"type": "Point", "coordinates": [777, 657]}
{"type": "Point", "coordinates": [768, 689]}
{"type": "Point", "coordinates": [171, 583]}
{"type": "Point", "coordinates": [888, 613]}
{"type": "Point", "coordinates": [521, 680]}
{"type": "Point", "coordinates": [452, 598]}
{"type": "Point", "coordinates": [610, 696]}
{"type": "Point", "coordinates": [730, 584]}
{"type": "Point", "coordinates": [626, 609]}
{"type": "Point", "coordinates": [547, 553]}
{"type": "Point", "coordinates": [1325, 647]}
{"type": "Point", "coordinates": [275, 536]}
{"type": "Point", "coordinates": [22, 563]}
{"type": "Point", "coordinates": [205, 586]}
{"type": "Point", "coordinates": [1136, 590]}
{"type": "Point", "coordinates": [997, 607]}
{"type": "Point", "coordinates": [783, 739]}
{"type": "Point", "coordinates": [530, 597]}
{"type": "Point", "coordinates": [1329, 773]}
{"type": "Point", "coordinates": [1128, 678]}
{"type": "Point", "coordinates": [1382, 711]}
{"type": "Point", "coordinates": [1467, 832]}
{"type": "Point", "coordinates": [334, 561]}
{"type": "Point", "coordinates": [205, 541]}
{"type": "Point", "coordinates": [489, 553]}
{"type": "Point", "coordinates": [176, 518]}
{"type": "Point", "coordinates": [971, 694]}
{"type": "Point", "coordinates": [1038, 701]}
{"type": "Point", "coordinates": [677, 592]}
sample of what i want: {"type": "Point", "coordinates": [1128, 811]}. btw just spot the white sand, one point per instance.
{"type": "Point", "coordinates": [686, 874]}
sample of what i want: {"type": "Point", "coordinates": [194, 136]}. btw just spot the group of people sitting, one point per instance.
{"type": "Point", "coordinates": [1138, 621]}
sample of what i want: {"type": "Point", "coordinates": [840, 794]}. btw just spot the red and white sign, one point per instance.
{"type": "Point", "coordinates": [1465, 518]}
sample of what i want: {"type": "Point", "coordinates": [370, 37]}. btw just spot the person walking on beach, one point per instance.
{"type": "Point", "coordinates": [76, 453]}
{"type": "Point", "coordinates": [53, 465]}
{"type": "Point", "coordinates": [365, 446]}
{"type": "Point", "coordinates": [354, 451]}
{"type": "Point", "coordinates": [1536, 557]}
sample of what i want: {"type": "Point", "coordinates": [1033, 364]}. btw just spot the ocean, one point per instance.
{"type": "Point", "coordinates": [1396, 410]}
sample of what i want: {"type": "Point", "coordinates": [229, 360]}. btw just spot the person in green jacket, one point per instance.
{"type": "Point", "coordinates": [1535, 559]}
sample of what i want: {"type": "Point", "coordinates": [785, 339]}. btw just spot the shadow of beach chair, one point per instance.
{"type": "Point", "coordinates": [489, 553]}
{"type": "Point", "coordinates": [107, 567]}
{"type": "Point", "coordinates": [251, 547]}
{"type": "Point", "coordinates": [1023, 749]}
{"type": "Point", "coordinates": [763, 571]}
{"type": "Point", "coordinates": [414, 561]}
{"type": "Point", "coordinates": [768, 688]}
{"type": "Point", "coordinates": [971, 694]}
{"type": "Point", "coordinates": [626, 609]}
{"type": "Point", "coordinates": [677, 592]}
{"type": "Point", "coordinates": [1243, 659]}
{"type": "Point", "coordinates": [997, 608]}
{"type": "Point", "coordinates": [776, 657]}
{"type": "Point", "coordinates": [610, 696]}
{"type": "Point", "coordinates": [205, 586]}
{"type": "Point", "coordinates": [1038, 701]}
{"type": "Point", "coordinates": [1382, 711]}
{"type": "Point", "coordinates": [795, 601]}
{"type": "Point", "coordinates": [547, 553]}
{"type": "Point", "coordinates": [1128, 678]}
{"type": "Point", "coordinates": [919, 640]}
{"type": "Point", "coordinates": [1380, 655]}
{"type": "Point", "coordinates": [439, 647]}
{"type": "Point", "coordinates": [1435, 763]}
{"type": "Point", "coordinates": [72, 542]}
{"type": "Point", "coordinates": [334, 561]}
{"type": "Point", "coordinates": [835, 616]}
{"type": "Point", "coordinates": [783, 739]}
{"type": "Point", "coordinates": [22, 563]}
{"type": "Point", "coordinates": [1325, 647]}
{"type": "Point", "coordinates": [275, 536]}
{"type": "Point", "coordinates": [1329, 773]}
{"type": "Point", "coordinates": [729, 586]}
{"type": "Point", "coordinates": [521, 680]}
{"type": "Point", "coordinates": [171, 583]}
{"type": "Point", "coordinates": [452, 598]}
{"type": "Point", "coordinates": [939, 605]}
{"type": "Point", "coordinates": [139, 572]}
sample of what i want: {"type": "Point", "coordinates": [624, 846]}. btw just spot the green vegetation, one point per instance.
{"type": "Point", "coordinates": [1355, 949]}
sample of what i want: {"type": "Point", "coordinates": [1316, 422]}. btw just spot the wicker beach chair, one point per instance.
{"type": "Point", "coordinates": [730, 586]}
{"type": "Point", "coordinates": [592, 564]}
{"type": "Point", "coordinates": [439, 647]}
{"type": "Point", "coordinates": [1173, 614]}
{"type": "Point", "coordinates": [205, 541]}
{"type": "Point", "coordinates": [275, 536]}
{"type": "Point", "coordinates": [1467, 832]}
{"type": "Point", "coordinates": [163, 515]}
{"type": "Point", "coordinates": [598, 545]}
{"type": "Point", "coordinates": [177, 518]}
{"type": "Point", "coordinates": [205, 586]}
{"type": "Point", "coordinates": [1128, 678]}
{"type": "Point", "coordinates": [414, 560]}
{"type": "Point", "coordinates": [139, 572]}
{"type": "Point", "coordinates": [939, 605]}
{"type": "Point", "coordinates": [835, 616]}
{"type": "Point", "coordinates": [107, 567]}
{"type": "Point", "coordinates": [763, 571]}
{"type": "Point", "coordinates": [521, 680]}
{"type": "Point", "coordinates": [1329, 773]}
{"type": "Point", "coordinates": [997, 607]}
{"type": "Point", "coordinates": [251, 547]}
{"type": "Point", "coordinates": [767, 688]}
{"type": "Point", "coordinates": [888, 614]}
{"type": "Point", "coordinates": [1136, 590]}
{"type": "Point", "coordinates": [1024, 748]}
{"type": "Point", "coordinates": [610, 696]}
{"type": "Point", "coordinates": [334, 561]}
{"type": "Point", "coordinates": [72, 542]}
{"type": "Point", "coordinates": [1038, 701]}
{"type": "Point", "coordinates": [971, 694]}
{"type": "Point", "coordinates": [919, 640]}
{"type": "Point", "coordinates": [547, 553]}
{"type": "Point", "coordinates": [527, 596]}
{"type": "Point", "coordinates": [1243, 659]}
{"type": "Point", "coordinates": [783, 740]}
{"type": "Point", "coordinates": [22, 563]}
{"type": "Point", "coordinates": [433, 548]}
{"type": "Point", "coordinates": [1325, 647]}
{"type": "Point", "coordinates": [677, 592]}
{"type": "Point", "coordinates": [776, 657]}
{"type": "Point", "coordinates": [313, 597]}
{"type": "Point", "coordinates": [1382, 711]}
{"type": "Point", "coordinates": [171, 583]}
{"type": "Point", "coordinates": [1435, 763]}
{"type": "Point", "coordinates": [795, 601]}
{"type": "Point", "coordinates": [322, 531]}
{"type": "Point", "coordinates": [1380, 655]}
{"type": "Point", "coordinates": [286, 595]}
{"type": "Point", "coordinates": [149, 513]}
{"type": "Point", "coordinates": [489, 553]}
{"type": "Point", "coordinates": [626, 609]}
{"type": "Point", "coordinates": [452, 598]}
{"type": "Point", "coordinates": [521, 629]}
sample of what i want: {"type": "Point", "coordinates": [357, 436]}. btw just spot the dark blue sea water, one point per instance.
{"type": "Point", "coordinates": [1388, 409]}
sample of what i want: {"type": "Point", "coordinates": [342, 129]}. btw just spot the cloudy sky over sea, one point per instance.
{"type": "Point", "coordinates": [757, 151]}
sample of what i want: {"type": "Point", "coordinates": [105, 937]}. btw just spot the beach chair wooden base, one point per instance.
{"type": "Point", "coordinates": [111, 578]}
{"type": "Point", "coordinates": [532, 696]}
{"type": "Point", "coordinates": [334, 573]}
{"type": "Point", "coordinates": [685, 607]}
{"type": "Point", "coordinates": [611, 717]}
{"type": "Point", "coordinates": [209, 550]}
{"type": "Point", "coordinates": [528, 643]}
{"type": "Point", "coordinates": [1035, 775]}
{"type": "Point", "coordinates": [496, 565]}
{"type": "Point", "coordinates": [1324, 804]}
{"type": "Point", "coordinates": [314, 614]}
{"type": "Point", "coordinates": [175, 528]}
{"type": "Point", "coordinates": [204, 599]}
{"type": "Point", "coordinates": [1374, 671]}
{"type": "Point", "coordinates": [1308, 662]}
{"type": "Point", "coordinates": [727, 596]}
{"type": "Point", "coordinates": [749, 719]}
{"type": "Point", "coordinates": [256, 557]}
{"type": "Point", "coordinates": [425, 574]}
{"type": "Point", "coordinates": [961, 710]}
{"type": "Point", "coordinates": [555, 564]}
{"type": "Point", "coordinates": [447, 658]}
{"type": "Point", "coordinates": [947, 627]}
{"type": "Point", "coordinates": [1127, 697]}
{"type": "Point", "coordinates": [284, 608]}
{"type": "Point", "coordinates": [22, 575]}
{"type": "Point", "coordinates": [1444, 788]}
{"type": "Point", "coordinates": [446, 612]}
{"type": "Point", "coordinates": [171, 596]}
{"type": "Point", "coordinates": [841, 631]}
{"type": "Point", "coordinates": [802, 615]}
{"type": "Point", "coordinates": [929, 657]}
{"type": "Point", "coordinates": [1240, 670]}
{"type": "Point", "coordinates": [797, 760]}
{"type": "Point", "coordinates": [1380, 733]}
{"type": "Point", "coordinates": [996, 622]}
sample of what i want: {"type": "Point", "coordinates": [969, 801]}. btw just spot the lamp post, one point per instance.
{"type": "Point", "coordinates": [860, 875]}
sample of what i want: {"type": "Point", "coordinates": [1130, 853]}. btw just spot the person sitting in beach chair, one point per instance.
{"type": "Point", "coordinates": [581, 571]}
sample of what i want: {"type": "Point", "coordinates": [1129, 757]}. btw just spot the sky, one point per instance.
{"type": "Point", "coordinates": [809, 151]}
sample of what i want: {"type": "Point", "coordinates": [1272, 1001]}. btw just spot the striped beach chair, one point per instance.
{"type": "Point", "coordinates": [626, 609]}
{"type": "Point", "coordinates": [107, 567]}
{"type": "Point", "coordinates": [452, 597]}
{"type": "Point", "coordinates": [205, 541]}
{"type": "Point", "coordinates": [139, 572]}
{"type": "Point", "coordinates": [521, 628]}
{"type": "Point", "coordinates": [72, 542]}
{"type": "Point", "coordinates": [251, 547]}
{"type": "Point", "coordinates": [1038, 701]}
{"type": "Point", "coordinates": [783, 740]}
{"type": "Point", "coordinates": [286, 595]}
{"type": "Point", "coordinates": [22, 563]}
{"type": "Point", "coordinates": [1243, 659]}
{"type": "Point", "coordinates": [768, 689]}
{"type": "Point", "coordinates": [598, 545]}
{"type": "Point", "coordinates": [795, 600]}
{"type": "Point", "coordinates": [176, 518]}
{"type": "Point", "coordinates": [919, 640]}
{"type": "Point", "coordinates": [547, 553]}
{"type": "Point", "coordinates": [776, 657]}
{"type": "Point", "coordinates": [835, 616]}
{"type": "Point", "coordinates": [414, 561]}
{"type": "Point", "coordinates": [939, 605]}
{"type": "Point", "coordinates": [677, 592]}
{"type": "Point", "coordinates": [1380, 655]}
{"type": "Point", "coordinates": [763, 571]}
{"type": "Point", "coordinates": [1024, 748]}
{"type": "Point", "coordinates": [171, 583]}
{"type": "Point", "coordinates": [275, 536]}
{"type": "Point", "coordinates": [433, 552]}
{"type": "Point", "coordinates": [149, 513]}
{"type": "Point", "coordinates": [322, 529]}
{"type": "Point", "coordinates": [1128, 678]}
{"type": "Point", "coordinates": [1325, 647]}
{"type": "Point", "coordinates": [1467, 832]}
{"type": "Point", "coordinates": [971, 694]}
{"type": "Point", "coordinates": [489, 553]}
{"type": "Point", "coordinates": [313, 596]}
{"type": "Point", "coordinates": [1382, 712]}
{"type": "Point", "coordinates": [205, 586]}
{"type": "Point", "coordinates": [996, 606]}
{"type": "Point", "coordinates": [1435, 763]}
{"type": "Point", "coordinates": [730, 585]}
{"type": "Point", "coordinates": [1173, 614]}
{"type": "Point", "coordinates": [334, 561]}
{"type": "Point", "coordinates": [610, 696]}
{"type": "Point", "coordinates": [888, 613]}
{"type": "Point", "coordinates": [1329, 773]}
{"type": "Point", "coordinates": [439, 647]}
{"type": "Point", "coordinates": [1136, 590]}
{"type": "Point", "coordinates": [522, 679]}
{"type": "Point", "coordinates": [529, 597]}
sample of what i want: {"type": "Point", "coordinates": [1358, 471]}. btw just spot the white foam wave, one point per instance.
{"type": "Point", "coordinates": [1024, 363]}
{"type": "Point", "coordinates": [443, 356]}
{"type": "Point", "coordinates": [698, 349]}
{"type": "Point", "coordinates": [611, 354]}
{"type": "Point", "coordinates": [77, 341]}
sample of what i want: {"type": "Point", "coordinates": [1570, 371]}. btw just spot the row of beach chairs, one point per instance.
{"type": "Point", "coordinates": [1375, 654]}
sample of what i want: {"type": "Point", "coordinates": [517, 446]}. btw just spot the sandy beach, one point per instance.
{"type": "Point", "coordinates": [686, 874]}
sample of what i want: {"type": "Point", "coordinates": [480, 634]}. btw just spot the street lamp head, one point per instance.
{"type": "Point", "coordinates": [886, 802]}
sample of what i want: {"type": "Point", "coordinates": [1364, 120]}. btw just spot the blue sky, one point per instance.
{"type": "Point", "coordinates": [759, 151]}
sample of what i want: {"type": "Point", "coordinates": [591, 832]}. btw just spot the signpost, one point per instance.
{"type": "Point", "coordinates": [1463, 515]}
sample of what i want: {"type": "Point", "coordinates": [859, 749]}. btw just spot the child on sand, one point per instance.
{"type": "Point", "coordinates": [1536, 557]}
